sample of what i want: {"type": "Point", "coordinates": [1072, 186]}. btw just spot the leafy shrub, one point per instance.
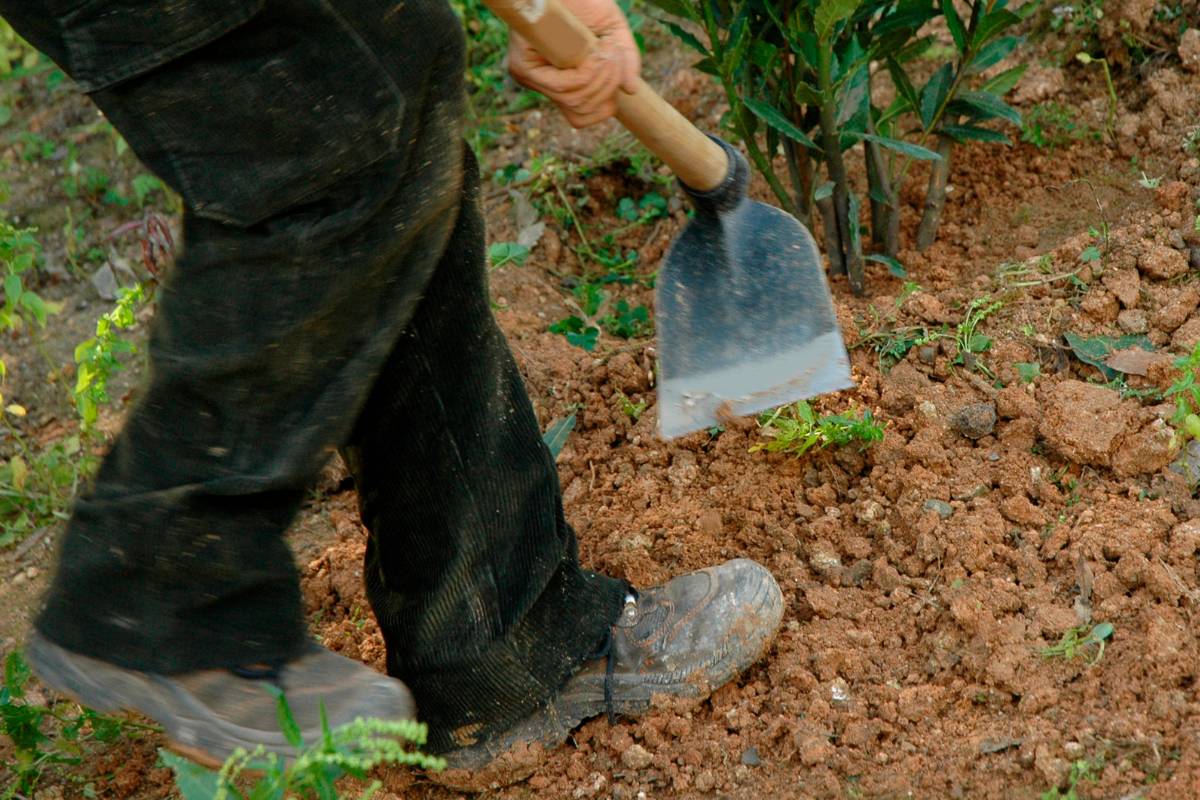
{"type": "Point", "coordinates": [796, 429]}
{"type": "Point", "coordinates": [801, 74]}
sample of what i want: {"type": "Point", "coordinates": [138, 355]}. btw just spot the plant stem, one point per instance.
{"type": "Point", "coordinates": [935, 196]}
{"type": "Point", "coordinates": [831, 142]}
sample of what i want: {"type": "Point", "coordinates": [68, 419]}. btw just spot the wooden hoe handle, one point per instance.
{"type": "Point", "coordinates": [558, 35]}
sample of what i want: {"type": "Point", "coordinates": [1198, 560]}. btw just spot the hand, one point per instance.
{"type": "Point", "coordinates": [587, 94]}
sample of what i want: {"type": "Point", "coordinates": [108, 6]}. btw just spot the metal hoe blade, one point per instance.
{"type": "Point", "coordinates": [745, 317]}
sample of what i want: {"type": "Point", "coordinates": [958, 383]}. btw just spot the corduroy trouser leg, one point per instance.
{"type": "Point", "coordinates": [331, 294]}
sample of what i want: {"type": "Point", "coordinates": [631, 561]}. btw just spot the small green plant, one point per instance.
{"type": "Point", "coordinates": [1081, 770]}
{"type": "Point", "coordinates": [1081, 640]}
{"type": "Point", "coordinates": [1110, 123]}
{"type": "Point", "coordinates": [44, 735]}
{"type": "Point", "coordinates": [892, 344]}
{"type": "Point", "coordinates": [583, 329]}
{"type": "Point", "coordinates": [503, 253]}
{"type": "Point", "coordinates": [352, 749]}
{"type": "Point", "coordinates": [970, 342]}
{"type": "Point", "coordinates": [796, 429]}
{"type": "Point", "coordinates": [1048, 126]}
{"type": "Point", "coordinates": [629, 408]}
{"type": "Point", "coordinates": [97, 358]}
{"type": "Point", "coordinates": [18, 256]}
{"type": "Point", "coordinates": [1028, 372]}
{"type": "Point", "coordinates": [1186, 391]}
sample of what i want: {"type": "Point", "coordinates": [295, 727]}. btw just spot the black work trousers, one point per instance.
{"type": "Point", "coordinates": [331, 293]}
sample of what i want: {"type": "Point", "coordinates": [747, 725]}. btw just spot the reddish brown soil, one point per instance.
{"type": "Point", "coordinates": [909, 661]}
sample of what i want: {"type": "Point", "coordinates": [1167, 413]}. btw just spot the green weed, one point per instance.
{"type": "Point", "coordinates": [45, 735]}
{"type": "Point", "coordinates": [629, 408]}
{"type": "Point", "coordinates": [970, 342]}
{"type": "Point", "coordinates": [796, 429]}
{"type": "Point", "coordinates": [583, 329]}
{"type": "Point", "coordinates": [893, 344]}
{"type": "Point", "coordinates": [1186, 391]}
{"type": "Point", "coordinates": [1081, 770]}
{"type": "Point", "coordinates": [353, 750]}
{"type": "Point", "coordinates": [1048, 126]}
{"type": "Point", "coordinates": [503, 253]}
{"type": "Point", "coordinates": [1081, 640]}
{"type": "Point", "coordinates": [98, 358]}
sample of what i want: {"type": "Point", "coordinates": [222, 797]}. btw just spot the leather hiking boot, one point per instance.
{"type": "Point", "coordinates": [683, 639]}
{"type": "Point", "coordinates": [208, 714]}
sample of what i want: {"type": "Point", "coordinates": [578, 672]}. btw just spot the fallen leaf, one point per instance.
{"type": "Point", "coordinates": [1133, 360]}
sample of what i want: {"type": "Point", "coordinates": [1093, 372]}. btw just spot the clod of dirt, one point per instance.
{"type": "Point", "coordinates": [975, 421]}
{"type": "Point", "coordinates": [1162, 262]}
{"type": "Point", "coordinates": [1125, 284]}
{"type": "Point", "coordinates": [637, 757]}
{"type": "Point", "coordinates": [1014, 402]}
{"type": "Point", "coordinates": [1084, 422]}
{"type": "Point", "coordinates": [1175, 313]}
{"type": "Point", "coordinates": [1187, 335]}
{"type": "Point", "coordinates": [1145, 451]}
{"type": "Point", "coordinates": [709, 523]}
{"type": "Point", "coordinates": [1189, 49]}
{"type": "Point", "coordinates": [1133, 320]}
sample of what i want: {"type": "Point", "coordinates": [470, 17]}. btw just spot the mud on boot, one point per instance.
{"type": "Point", "coordinates": [683, 639]}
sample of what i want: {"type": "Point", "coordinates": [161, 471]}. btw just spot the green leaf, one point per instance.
{"type": "Point", "coordinates": [1027, 371]}
{"type": "Point", "coordinates": [1096, 349]}
{"type": "Point", "coordinates": [973, 133]}
{"type": "Point", "coordinates": [585, 339]}
{"type": "Point", "coordinates": [773, 117]}
{"type": "Point", "coordinates": [824, 191]}
{"type": "Point", "coordinates": [992, 24]}
{"type": "Point", "coordinates": [12, 288]}
{"type": "Point", "coordinates": [1004, 83]}
{"type": "Point", "coordinates": [687, 38]}
{"type": "Point", "coordinates": [678, 8]}
{"type": "Point", "coordinates": [502, 253]}
{"type": "Point", "coordinates": [1090, 253]}
{"type": "Point", "coordinates": [283, 713]}
{"type": "Point", "coordinates": [905, 148]}
{"type": "Point", "coordinates": [993, 53]}
{"type": "Point", "coordinates": [1102, 632]}
{"type": "Point", "coordinates": [193, 781]}
{"type": "Point", "coordinates": [904, 86]}
{"type": "Point", "coordinates": [954, 23]}
{"type": "Point", "coordinates": [556, 435]}
{"type": "Point", "coordinates": [16, 674]}
{"type": "Point", "coordinates": [806, 94]}
{"type": "Point", "coordinates": [894, 267]}
{"type": "Point", "coordinates": [984, 106]}
{"type": "Point", "coordinates": [829, 13]}
{"type": "Point", "coordinates": [933, 96]}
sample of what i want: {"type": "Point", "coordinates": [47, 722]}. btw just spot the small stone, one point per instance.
{"type": "Point", "coordinates": [1194, 258]}
{"type": "Point", "coordinates": [927, 354]}
{"type": "Point", "coordinates": [637, 757]}
{"type": "Point", "coordinates": [941, 507]}
{"type": "Point", "coordinates": [31, 572]}
{"type": "Point", "coordinates": [975, 421]}
{"type": "Point", "coordinates": [750, 757]}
